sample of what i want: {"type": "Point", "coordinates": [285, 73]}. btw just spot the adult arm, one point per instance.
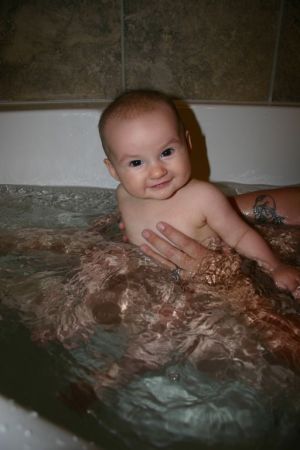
{"type": "Point", "coordinates": [181, 251]}
{"type": "Point", "coordinates": [279, 206]}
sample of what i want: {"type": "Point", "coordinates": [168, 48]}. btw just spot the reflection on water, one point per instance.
{"type": "Point", "coordinates": [47, 207]}
{"type": "Point", "coordinates": [102, 341]}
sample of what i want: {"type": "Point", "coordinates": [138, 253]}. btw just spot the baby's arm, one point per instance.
{"type": "Point", "coordinates": [252, 245]}
{"type": "Point", "coordinates": [245, 240]}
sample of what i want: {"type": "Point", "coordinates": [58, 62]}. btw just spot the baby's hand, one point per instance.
{"type": "Point", "coordinates": [287, 277]}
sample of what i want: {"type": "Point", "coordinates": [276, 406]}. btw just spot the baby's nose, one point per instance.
{"type": "Point", "coordinates": [157, 170]}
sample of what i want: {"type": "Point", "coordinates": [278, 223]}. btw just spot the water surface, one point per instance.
{"type": "Point", "coordinates": [101, 341]}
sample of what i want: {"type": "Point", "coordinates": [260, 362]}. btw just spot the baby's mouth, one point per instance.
{"type": "Point", "coordinates": [160, 185]}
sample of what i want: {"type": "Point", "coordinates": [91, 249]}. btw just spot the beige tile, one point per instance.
{"type": "Point", "coordinates": [201, 49]}
{"type": "Point", "coordinates": [287, 81]}
{"type": "Point", "coordinates": [60, 49]}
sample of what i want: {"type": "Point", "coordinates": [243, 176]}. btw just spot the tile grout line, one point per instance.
{"type": "Point", "coordinates": [82, 102]}
{"type": "Point", "coordinates": [123, 81]}
{"type": "Point", "coordinates": [276, 51]}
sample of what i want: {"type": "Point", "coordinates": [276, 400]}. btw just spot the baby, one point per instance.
{"type": "Point", "coordinates": [148, 152]}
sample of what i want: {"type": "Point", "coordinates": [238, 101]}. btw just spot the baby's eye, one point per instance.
{"type": "Point", "coordinates": [167, 152]}
{"type": "Point", "coordinates": [135, 163]}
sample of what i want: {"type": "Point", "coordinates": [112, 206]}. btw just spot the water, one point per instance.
{"type": "Point", "coordinates": [100, 340]}
{"type": "Point", "coordinates": [47, 207]}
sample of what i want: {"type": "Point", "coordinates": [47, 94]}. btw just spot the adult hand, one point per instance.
{"type": "Point", "coordinates": [178, 251]}
{"type": "Point", "coordinates": [181, 251]}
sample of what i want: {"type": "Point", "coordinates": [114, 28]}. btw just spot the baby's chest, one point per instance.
{"type": "Point", "coordinates": [138, 219]}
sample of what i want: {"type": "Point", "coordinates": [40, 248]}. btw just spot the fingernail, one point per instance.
{"type": "Point", "coordinates": [161, 226]}
{"type": "Point", "coordinates": [145, 234]}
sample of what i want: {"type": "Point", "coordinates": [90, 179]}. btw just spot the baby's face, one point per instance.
{"type": "Point", "coordinates": [149, 153]}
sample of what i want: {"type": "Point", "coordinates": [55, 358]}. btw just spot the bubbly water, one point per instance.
{"type": "Point", "coordinates": [98, 339]}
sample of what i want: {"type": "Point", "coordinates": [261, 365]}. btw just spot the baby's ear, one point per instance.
{"type": "Point", "coordinates": [111, 169]}
{"type": "Point", "coordinates": [188, 140]}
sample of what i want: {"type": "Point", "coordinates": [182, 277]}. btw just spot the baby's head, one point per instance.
{"type": "Point", "coordinates": [146, 144]}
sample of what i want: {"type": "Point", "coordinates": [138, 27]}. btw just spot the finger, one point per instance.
{"type": "Point", "coordinates": [169, 252]}
{"type": "Point", "coordinates": [158, 258]}
{"type": "Point", "coordinates": [296, 293]}
{"type": "Point", "coordinates": [121, 226]}
{"type": "Point", "coordinates": [183, 242]}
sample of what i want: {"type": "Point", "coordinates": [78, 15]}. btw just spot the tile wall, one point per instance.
{"type": "Point", "coordinates": [205, 50]}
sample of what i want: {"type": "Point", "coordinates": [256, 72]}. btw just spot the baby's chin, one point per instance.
{"type": "Point", "coordinates": [155, 194]}
{"type": "Point", "coordinates": [160, 195]}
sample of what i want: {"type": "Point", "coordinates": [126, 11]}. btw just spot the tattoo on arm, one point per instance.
{"type": "Point", "coordinates": [264, 211]}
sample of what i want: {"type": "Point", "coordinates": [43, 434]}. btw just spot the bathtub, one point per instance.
{"type": "Point", "coordinates": [60, 146]}
{"type": "Point", "coordinates": [232, 143]}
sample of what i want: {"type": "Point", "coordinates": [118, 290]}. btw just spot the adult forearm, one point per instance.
{"type": "Point", "coordinates": [274, 206]}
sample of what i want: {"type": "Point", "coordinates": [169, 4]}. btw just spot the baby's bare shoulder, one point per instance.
{"type": "Point", "coordinates": [127, 204]}
{"type": "Point", "coordinates": [122, 199]}
{"type": "Point", "coordinates": [201, 190]}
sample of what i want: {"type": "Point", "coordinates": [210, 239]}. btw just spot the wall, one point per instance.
{"type": "Point", "coordinates": [203, 50]}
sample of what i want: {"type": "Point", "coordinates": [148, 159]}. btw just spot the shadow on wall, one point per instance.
{"type": "Point", "coordinates": [199, 159]}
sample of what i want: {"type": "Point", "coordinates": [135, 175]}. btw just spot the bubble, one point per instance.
{"type": "Point", "coordinates": [27, 433]}
{"type": "Point", "coordinates": [3, 428]}
{"type": "Point", "coordinates": [174, 377]}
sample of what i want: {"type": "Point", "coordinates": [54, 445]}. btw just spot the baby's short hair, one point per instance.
{"type": "Point", "coordinates": [131, 103]}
